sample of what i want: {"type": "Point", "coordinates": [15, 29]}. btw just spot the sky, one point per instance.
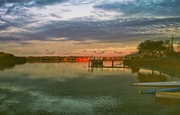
{"type": "Point", "coordinates": [85, 27]}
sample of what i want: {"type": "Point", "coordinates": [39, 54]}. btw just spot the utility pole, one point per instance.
{"type": "Point", "coordinates": [172, 42]}
{"type": "Point", "coordinates": [172, 39]}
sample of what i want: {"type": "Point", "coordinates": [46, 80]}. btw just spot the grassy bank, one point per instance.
{"type": "Point", "coordinates": [161, 63]}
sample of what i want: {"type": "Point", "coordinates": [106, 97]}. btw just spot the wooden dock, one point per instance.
{"type": "Point", "coordinates": [97, 62]}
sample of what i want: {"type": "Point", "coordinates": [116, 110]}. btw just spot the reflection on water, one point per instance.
{"type": "Point", "coordinates": [166, 101]}
{"type": "Point", "coordinates": [70, 89]}
{"type": "Point", "coordinates": [151, 77]}
{"type": "Point", "coordinates": [9, 63]}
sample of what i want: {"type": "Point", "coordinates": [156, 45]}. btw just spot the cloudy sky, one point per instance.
{"type": "Point", "coordinates": [85, 27]}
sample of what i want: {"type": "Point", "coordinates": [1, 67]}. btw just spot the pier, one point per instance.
{"type": "Point", "coordinates": [93, 62]}
{"type": "Point", "coordinates": [98, 62]}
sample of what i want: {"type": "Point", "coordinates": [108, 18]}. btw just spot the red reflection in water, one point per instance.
{"type": "Point", "coordinates": [82, 59]}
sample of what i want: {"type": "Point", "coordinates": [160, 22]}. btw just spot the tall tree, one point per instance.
{"type": "Point", "coordinates": [150, 47]}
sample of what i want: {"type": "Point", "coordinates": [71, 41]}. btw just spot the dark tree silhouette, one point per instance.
{"type": "Point", "coordinates": [150, 48]}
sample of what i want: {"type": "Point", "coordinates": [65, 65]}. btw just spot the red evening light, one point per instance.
{"type": "Point", "coordinates": [82, 59]}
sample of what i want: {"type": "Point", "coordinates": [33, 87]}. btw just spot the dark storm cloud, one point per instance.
{"type": "Point", "coordinates": [36, 1]}
{"type": "Point", "coordinates": [104, 31]}
{"type": "Point", "coordinates": [139, 21]}
{"type": "Point", "coordinates": [11, 38]}
{"type": "Point", "coordinates": [113, 30]}
{"type": "Point", "coordinates": [147, 7]}
{"type": "Point", "coordinates": [4, 26]}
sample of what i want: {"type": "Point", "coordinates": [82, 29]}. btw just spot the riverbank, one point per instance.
{"type": "Point", "coordinates": [160, 63]}
{"type": "Point", "coordinates": [9, 60]}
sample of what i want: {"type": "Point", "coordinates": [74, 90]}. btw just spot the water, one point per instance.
{"type": "Point", "coordinates": [74, 89]}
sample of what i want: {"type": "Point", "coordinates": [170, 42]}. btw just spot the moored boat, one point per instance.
{"type": "Point", "coordinates": [172, 95]}
{"type": "Point", "coordinates": [158, 84]}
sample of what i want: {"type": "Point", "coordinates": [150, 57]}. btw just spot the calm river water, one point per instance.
{"type": "Point", "coordinates": [74, 89]}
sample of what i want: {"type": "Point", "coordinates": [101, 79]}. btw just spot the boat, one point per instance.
{"type": "Point", "coordinates": [158, 84]}
{"type": "Point", "coordinates": [171, 95]}
{"type": "Point", "coordinates": [153, 91]}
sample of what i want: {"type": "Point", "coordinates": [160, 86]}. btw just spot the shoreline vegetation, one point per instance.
{"type": "Point", "coordinates": [155, 63]}
{"type": "Point", "coordinates": [156, 55]}
{"type": "Point", "coordinates": [8, 61]}
{"type": "Point", "coordinates": [159, 55]}
{"type": "Point", "coordinates": [49, 59]}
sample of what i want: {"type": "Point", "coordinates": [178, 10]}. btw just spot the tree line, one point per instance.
{"type": "Point", "coordinates": [151, 48]}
